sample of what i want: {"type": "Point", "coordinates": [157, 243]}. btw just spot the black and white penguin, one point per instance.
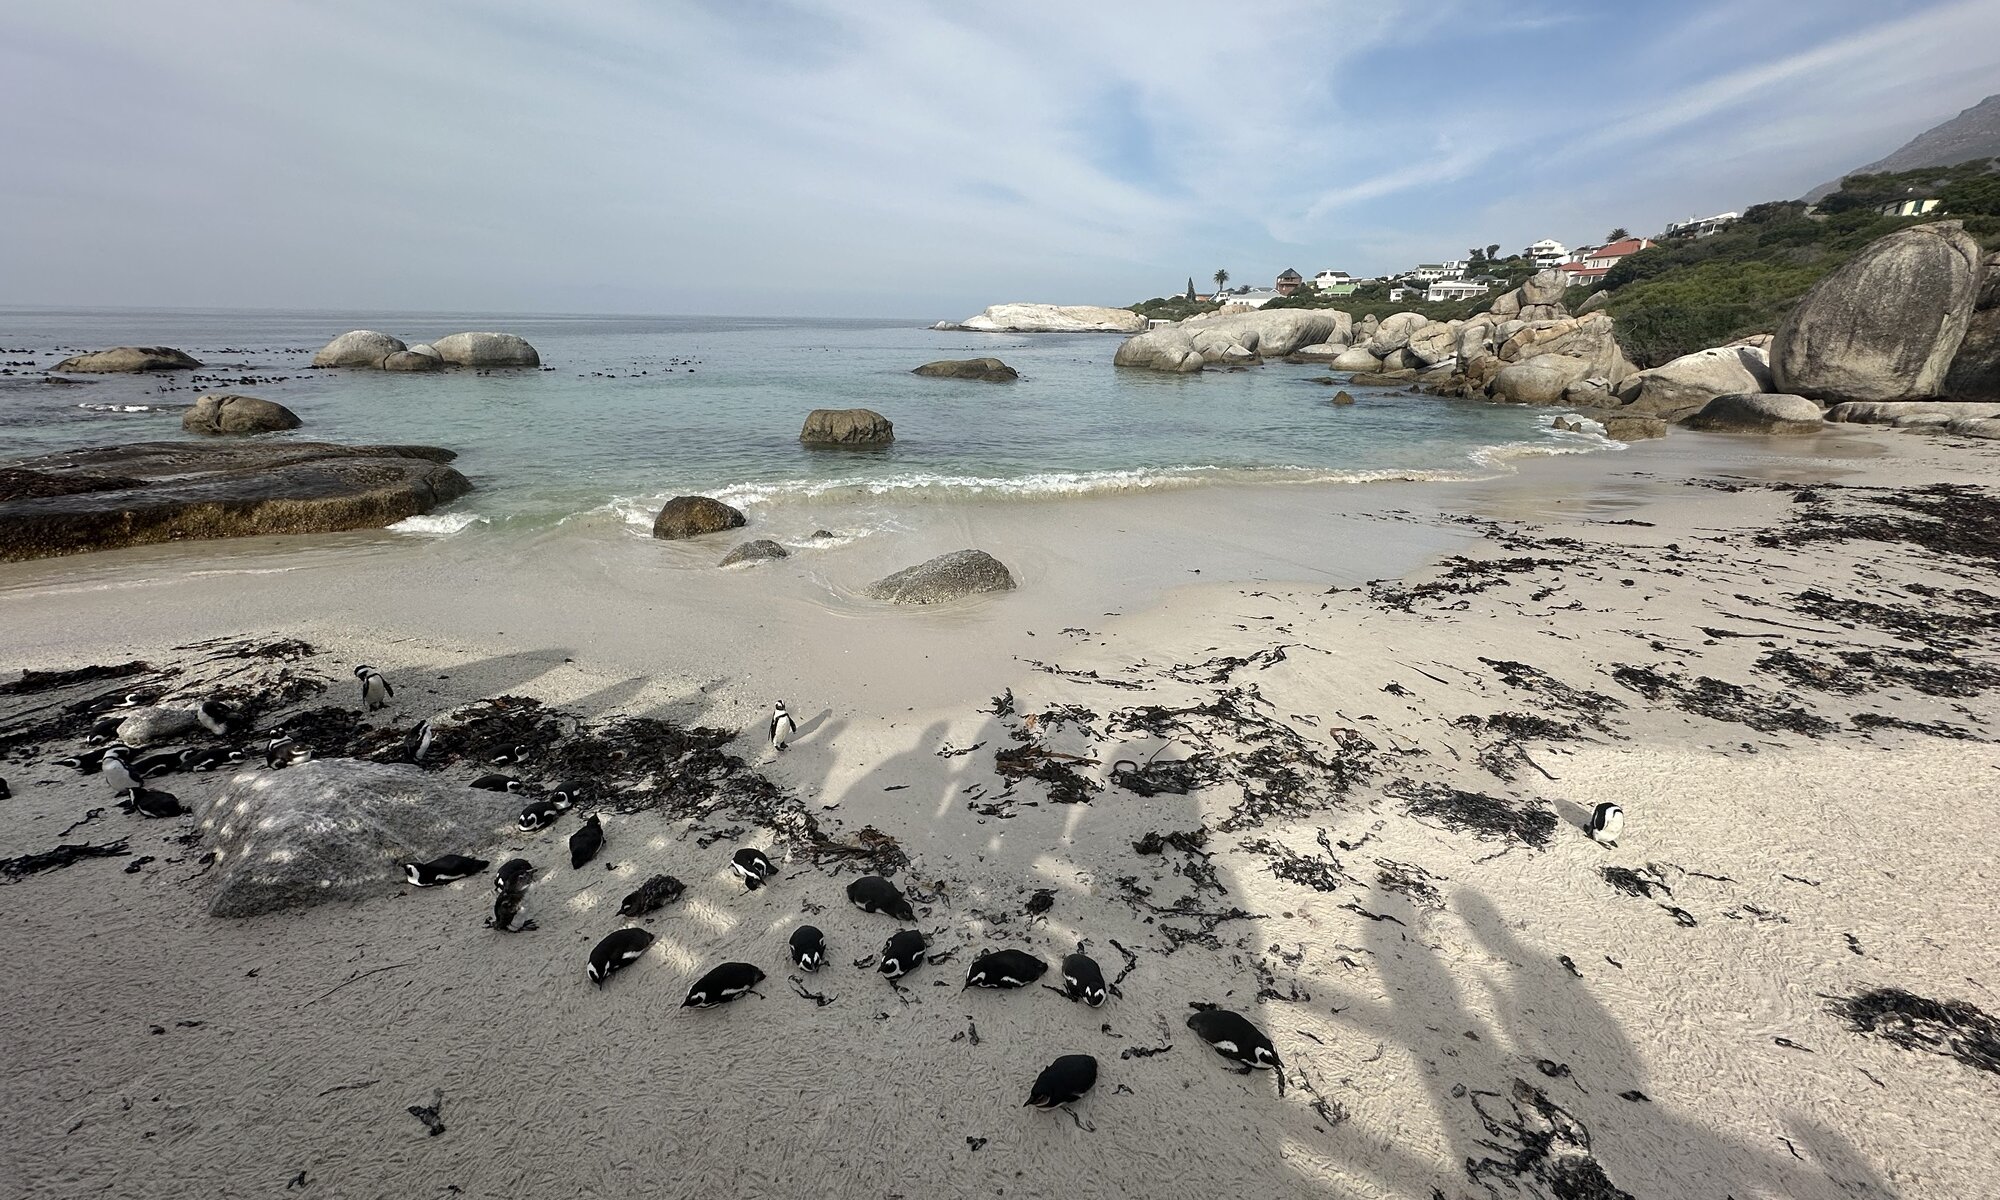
{"type": "Point", "coordinates": [281, 751]}
{"type": "Point", "coordinates": [105, 728]}
{"type": "Point", "coordinates": [209, 758]}
{"type": "Point", "coordinates": [416, 743]}
{"type": "Point", "coordinates": [507, 912]}
{"type": "Point", "coordinates": [586, 842]}
{"type": "Point", "coordinates": [514, 875]}
{"type": "Point", "coordinates": [1607, 823]}
{"type": "Point", "coordinates": [517, 755]}
{"type": "Point", "coordinates": [539, 815]}
{"type": "Point", "coordinates": [438, 871]}
{"type": "Point", "coordinates": [159, 762]}
{"type": "Point", "coordinates": [1233, 1037]}
{"type": "Point", "coordinates": [218, 718]}
{"type": "Point", "coordinates": [1083, 979]}
{"type": "Point", "coordinates": [783, 728]}
{"type": "Point", "coordinates": [874, 894]}
{"type": "Point", "coordinates": [1005, 969]}
{"type": "Point", "coordinates": [1064, 1081]}
{"type": "Point", "coordinates": [808, 947]}
{"type": "Point", "coordinates": [617, 951]}
{"type": "Point", "coordinates": [122, 777]}
{"type": "Point", "coordinates": [496, 782]}
{"type": "Point", "coordinates": [903, 953]}
{"type": "Point", "coordinates": [752, 867]}
{"type": "Point", "coordinates": [91, 761]}
{"type": "Point", "coordinates": [654, 894]}
{"type": "Point", "coordinates": [723, 984]}
{"type": "Point", "coordinates": [375, 689]}
{"type": "Point", "coordinates": [155, 804]}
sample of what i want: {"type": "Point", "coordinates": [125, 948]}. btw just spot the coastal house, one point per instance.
{"type": "Point", "coordinates": [1702, 227]}
{"type": "Point", "coordinates": [1289, 281]}
{"type": "Point", "coordinates": [1432, 272]}
{"type": "Point", "coordinates": [1908, 208]}
{"type": "Point", "coordinates": [1249, 298]}
{"type": "Point", "coordinates": [1452, 289]}
{"type": "Point", "coordinates": [1329, 279]}
{"type": "Point", "coordinates": [1588, 266]}
{"type": "Point", "coordinates": [1398, 294]}
{"type": "Point", "coordinates": [1546, 253]}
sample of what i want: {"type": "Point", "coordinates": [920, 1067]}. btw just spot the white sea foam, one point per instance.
{"type": "Point", "coordinates": [124, 408]}
{"type": "Point", "coordinates": [437, 524]}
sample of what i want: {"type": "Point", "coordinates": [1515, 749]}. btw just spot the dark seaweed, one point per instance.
{"type": "Point", "coordinates": [13, 870]}
{"type": "Point", "coordinates": [1539, 1142]}
{"type": "Point", "coordinates": [1955, 1029]}
{"type": "Point", "coordinates": [1484, 817]}
{"type": "Point", "coordinates": [1461, 577]}
{"type": "Point", "coordinates": [1591, 708]}
{"type": "Point", "coordinates": [43, 681]}
{"type": "Point", "coordinates": [1766, 712]}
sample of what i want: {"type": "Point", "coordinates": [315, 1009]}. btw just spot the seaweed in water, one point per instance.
{"type": "Point", "coordinates": [13, 870]}
{"type": "Point", "coordinates": [1484, 817]}
{"type": "Point", "coordinates": [1538, 1142]}
{"type": "Point", "coordinates": [1718, 700]}
{"type": "Point", "coordinates": [1955, 1029]}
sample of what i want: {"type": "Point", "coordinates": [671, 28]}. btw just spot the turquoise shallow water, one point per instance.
{"type": "Point", "coordinates": [629, 410]}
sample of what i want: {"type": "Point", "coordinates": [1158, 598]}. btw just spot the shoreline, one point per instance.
{"type": "Point", "coordinates": [1417, 956]}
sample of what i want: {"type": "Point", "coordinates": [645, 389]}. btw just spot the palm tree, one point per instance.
{"type": "Point", "coordinates": [1493, 252]}
{"type": "Point", "coordinates": [1221, 277]}
{"type": "Point", "coordinates": [1618, 235]}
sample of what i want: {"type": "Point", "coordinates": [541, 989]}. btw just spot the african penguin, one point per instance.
{"type": "Point", "coordinates": [157, 805]}
{"type": "Point", "coordinates": [1005, 969]}
{"type": "Point", "coordinates": [281, 751]}
{"type": "Point", "coordinates": [514, 875]}
{"type": "Point", "coordinates": [159, 762]}
{"type": "Point", "coordinates": [752, 867]}
{"type": "Point", "coordinates": [496, 782]}
{"type": "Point", "coordinates": [783, 728]}
{"type": "Point", "coordinates": [449, 869]}
{"type": "Point", "coordinates": [656, 893]}
{"type": "Point", "coordinates": [586, 842]}
{"type": "Point", "coordinates": [874, 894]}
{"type": "Point", "coordinates": [375, 689]}
{"type": "Point", "coordinates": [209, 758]}
{"type": "Point", "coordinates": [1083, 979]}
{"type": "Point", "coordinates": [416, 743]}
{"type": "Point", "coordinates": [216, 717]}
{"type": "Point", "coordinates": [1607, 823]}
{"type": "Point", "coordinates": [723, 984]}
{"type": "Point", "coordinates": [507, 910]}
{"type": "Point", "coordinates": [1064, 1081]}
{"type": "Point", "coordinates": [808, 947]}
{"type": "Point", "coordinates": [903, 953]}
{"type": "Point", "coordinates": [539, 816]}
{"type": "Point", "coordinates": [516, 755]}
{"type": "Point", "coordinates": [90, 761]}
{"type": "Point", "coordinates": [121, 776]}
{"type": "Point", "coordinates": [618, 950]}
{"type": "Point", "coordinates": [104, 729]}
{"type": "Point", "coordinates": [1233, 1037]}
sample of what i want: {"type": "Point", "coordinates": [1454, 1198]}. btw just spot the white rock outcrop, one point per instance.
{"type": "Point", "coordinates": [1054, 318]}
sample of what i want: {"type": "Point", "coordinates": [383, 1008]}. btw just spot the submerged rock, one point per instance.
{"type": "Point", "coordinates": [412, 360]}
{"type": "Point", "coordinates": [486, 350]}
{"type": "Point", "coordinates": [947, 577]}
{"type": "Point", "coordinates": [990, 370]}
{"type": "Point", "coordinates": [121, 359]}
{"type": "Point", "coordinates": [1356, 358]}
{"type": "Point", "coordinates": [1054, 318]}
{"type": "Point", "coordinates": [358, 348]}
{"type": "Point", "coordinates": [338, 829]}
{"type": "Point", "coordinates": [227, 412]}
{"type": "Point", "coordinates": [692, 516]}
{"type": "Point", "coordinates": [145, 492]}
{"type": "Point", "coordinates": [847, 427]}
{"type": "Point", "coordinates": [1633, 427]}
{"type": "Point", "coordinates": [761, 550]}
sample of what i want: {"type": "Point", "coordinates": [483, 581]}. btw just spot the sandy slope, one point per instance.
{"type": "Point", "coordinates": [154, 1051]}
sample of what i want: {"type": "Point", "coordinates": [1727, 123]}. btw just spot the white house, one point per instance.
{"type": "Point", "coordinates": [1398, 294]}
{"type": "Point", "coordinates": [1701, 227]}
{"type": "Point", "coordinates": [1546, 253]}
{"type": "Point", "coordinates": [1327, 279]}
{"type": "Point", "coordinates": [1909, 208]}
{"type": "Point", "coordinates": [1252, 298]}
{"type": "Point", "coordinates": [1452, 289]}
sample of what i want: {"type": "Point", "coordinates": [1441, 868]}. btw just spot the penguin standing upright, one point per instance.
{"type": "Point", "coordinates": [874, 894]}
{"type": "Point", "coordinates": [510, 891]}
{"type": "Point", "coordinates": [1064, 1081]}
{"type": "Point", "coordinates": [4, 793]}
{"type": "Point", "coordinates": [783, 728]}
{"type": "Point", "coordinates": [723, 984]}
{"type": "Point", "coordinates": [375, 689]}
{"type": "Point", "coordinates": [752, 867]}
{"type": "Point", "coordinates": [1233, 1037]}
{"type": "Point", "coordinates": [1607, 823]}
{"type": "Point", "coordinates": [903, 953]}
{"type": "Point", "coordinates": [617, 951]}
{"type": "Point", "coordinates": [808, 947]}
{"type": "Point", "coordinates": [586, 842]}
{"type": "Point", "coordinates": [417, 743]}
{"type": "Point", "coordinates": [120, 774]}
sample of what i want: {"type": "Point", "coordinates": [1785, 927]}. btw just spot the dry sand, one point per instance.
{"type": "Point", "coordinates": [1413, 974]}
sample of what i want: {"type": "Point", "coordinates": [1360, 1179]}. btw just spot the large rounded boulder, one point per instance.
{"type": "Point", "coordinates": [358, 348]}
{"type": "Point", "coordinates": [847, 427]}
{"type": "Point", "coordinates": [1684, 385]}
{"type": "Point", "coordinates": [989, 370]}
{"type": "Point", "coordinates": [1886, 325]}
{"type": "Point", "coordinates": [485, 350]}
{"type": "Point", "coordinates": [1758, 412]}
{"type": "Point", "coordinates": [1539, 380]}
{"type": "Point", "coordinates": [1433, 343]}
{"type": "Point", "coordinates": [1544, 287]}
{"type": "Point", "coordinates": [128, 359]}
{"type": "Point", "coordinates": [1167, 349]}
{"type": "Point", "coordinates": [227, 412]}
{"type": "Point", "coordinates": [692, 516]}
{"type": "Point", "coordinates": [951, 576]}
{"type": "Point", "coordinates": [411, 360]}
{"type": "Point", "coordinates": [1394, 333]}
{"type": "Point", "coordinates": [1355, 358]}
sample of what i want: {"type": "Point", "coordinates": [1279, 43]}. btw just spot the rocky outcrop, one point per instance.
{"type": "Point", "coordinates": [1054, 318]}
{"type": "Point", "coordinates": [1975, 370]}
{"type": "Point", "coordinates": [1633, 427]}
{"type": "Point", "coordinates": [947, 577]}
{"type": "Point", "coordinates": [989, 370]}
{"type": "Point", "coordinates": [338, 829]}
{"type": "Point", "coordinates": [1684, 385]}
{"type": "Point", "coordinates": [1394, 332]}
{"type": "Point", "coordinates": [157, 723]}
{"type": "Point", "coordinates": [1758, 412]}
{"type": "Point", "coordinates": [847, 427]}
{"type": "Point", "coordinates": [1988, 428]}
{"type": "Point", "coordinates": [358, 348]}
{"type": "Point", "coordinates": [1906, 413]}
{"type": "Point", "coordinates": [1319, 352]}
{"type": "Point", "coordinates": [1539, 380]}
{"type": "Point", "coordinates": [126, 359]}
{"type": "Point", "coordinates": [1887, 324]}
{"type": "Point", "coordinates": [1474, 339]}
{"type": "Point", "coordinates": [692, 516]}
{"type": "Point", "coordinates": [411, 360]}
{"type": "Point", "coordinates": [1167, 349]}
{"type": "Point", "coordinates": [1382, 378]}
{"type": "Point", "coordinates": [1433, 342]}
{"type": "Point", "coordinates": [486, 350]}
{"type": "Point", "coordinates": [227, 412]}
{"type": "Point", "coordinates": [1354, 358]}
{"type": "Point", "coordinates": [1591, 393]}
{"type": "Point", "coordinates": [1586, 338]}
{"type": "Point", "coordinates": [1543, 287]}
{"type": "Point", "coordinates": [761, 550]}
{"type": "Point", "coordinates": [145, 492]}
{"type": "Point", "coordinates": [1226, 337]}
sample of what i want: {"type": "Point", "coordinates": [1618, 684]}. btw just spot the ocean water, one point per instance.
{"type": "Point", "coordinates": [630, 410]}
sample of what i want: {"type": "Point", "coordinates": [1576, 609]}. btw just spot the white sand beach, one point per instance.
{"type": "Point", "coordinates": [1402, 700]}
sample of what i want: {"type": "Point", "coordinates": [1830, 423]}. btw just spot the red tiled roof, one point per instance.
{"type": "Point", "coordinates": [1619, 249]}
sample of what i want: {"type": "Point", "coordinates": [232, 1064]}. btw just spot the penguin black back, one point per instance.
{"type": "Point", "coordinates": [1233, 1037]}
{"type": "Point", "coordinates": [655, 893]}
{"type": "Point", "coordinates": [1607, 823]}
{"type": "Point", "coordinates": [1083, 979]}
{"type": "Point", "coordinates": [447, 869]}
{"type": "Point", "coordinates": [156, 805]}
{"type": "Point", "coordinates": [874, 894]}
{"type": "Point", "coordinates": [1064, 1081]}
{"type": "Point", "coordinates": [808, 947]}
{"type": "Point", "coordinates": [586, 842]}
{"type": "Point", "coordinates": [723, 984]}
{"type": "Point", "coordinates": [903, 953]}
{"type": "Point", "coordinates": [618, 950]}
{"type": "Point", "coordinates": [752, 866]}
{"type": "Point", "coordinates": [514, 875]}
{"type": "Point", "coordinates": [1008, 968]}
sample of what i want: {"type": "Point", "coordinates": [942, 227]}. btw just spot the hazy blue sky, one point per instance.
{"type": "Point", "coordinates": [899, 159]}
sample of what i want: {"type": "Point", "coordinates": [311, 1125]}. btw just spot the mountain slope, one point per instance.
{"type": "Point", "coordinates": [1974, 133]}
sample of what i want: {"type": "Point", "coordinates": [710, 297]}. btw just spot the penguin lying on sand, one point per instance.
{"type": "Point", "coordinates": [808, 947]}
{"type": "Point", "coordinates": [903, 953]}
{"type": "Point", "coordinates": [218, 718]}
{"type": "Point", "coordinates": [514, 875]}
{"type": "Point", "coordinates": [1083, 979]}
{"type": "Point", "coordinates": [1064, 1081]}
{"type": "Point", "coordinates": [541, 814]}
{"type": "Point", "coordinates": [656, 893]}
{"type": "Point", "coordinates": [723, 984]}
{"type": "Point", "coordinates": [1233, 1037]}
{"type": "Point", "coordinates": [496, 782]}
{"type": "Point", "coordinates": [617, 951]}
{"type": "Point", "coordinates": [155, 804]}
{"type": "Point", "coordinates": [1005, 969]}
{"type": "Point", "coordinates": [438, 871]}
{"type": "Point", "coordinates": [586, 842]}
{"type": "Point", "coordinates": [874, 894]}
{"type": "Point", "coordinates": [752, 867]}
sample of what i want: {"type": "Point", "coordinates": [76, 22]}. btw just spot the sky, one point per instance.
{"type": "Point", "coordinates": [881, 158]}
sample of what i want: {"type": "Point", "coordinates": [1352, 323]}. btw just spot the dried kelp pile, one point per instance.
{"type": "Point", "coordinates": [1955, 1029]}
{"type": "Point", "coordinates": [1489, 818]}
{"type": "Point", "coordinates": [1306, 870]}
{"type": "Point", "coordinates": [1719, 700]}
{"type": "Point", "coordinates": [1461, 577]}
{"type": "Point", "coordinates": [1591, 709]}
{"type": "Point", "coordinates": [1957, 520]}
{"type": "Point", "coordinates": [1538, 1142]}
{"type": "Point", "coordinates": [1936, 623]}
{"type": "Point", "coordinates": [32, 682]}
{"type": "Point", "coordinates": [13, 870]}
{"type": "Point", "coordinates": [1500, 740]}
{"type": "Point", "coordinates": [1929, 670]}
